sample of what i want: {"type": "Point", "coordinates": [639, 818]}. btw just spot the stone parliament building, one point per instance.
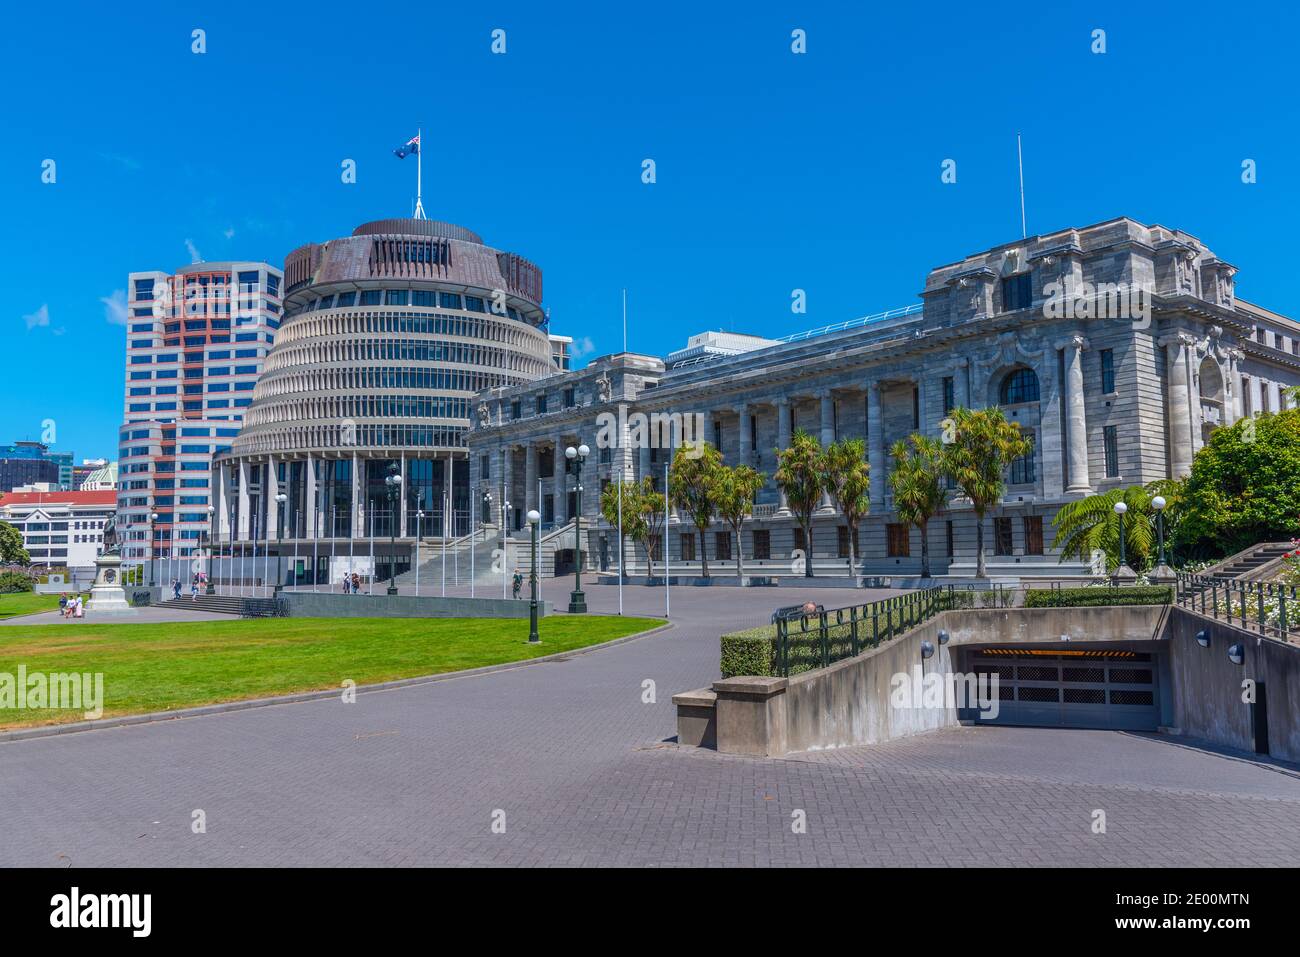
{"type": "Point", "coordinates": [1117, 347]}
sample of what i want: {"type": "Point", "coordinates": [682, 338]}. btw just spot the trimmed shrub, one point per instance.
{"type": "Point", "coordinates": [751, 652]}
{"type": "Point", "coordinates": [11, 582]}
{"type": "Point", "coordinates": [1097, 597]}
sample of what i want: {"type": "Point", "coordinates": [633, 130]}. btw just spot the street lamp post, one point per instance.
{"type": "Point", "coordinates": [280, 499]}
{"type": "Point", "coordinates": [210, 587]}
{"type": "Point", "coordinates": [1123, 573]}
{"type": "Point", "coordinates": [394, 492]}
{"type": "Point", "coordinates": [577, 600]}
{"type": "Point", "coordinates": [1162, 573]}
{"type": "Point", "coordinates": [534, 519]}
{"type": "Point", "coordinates": [419, 520]}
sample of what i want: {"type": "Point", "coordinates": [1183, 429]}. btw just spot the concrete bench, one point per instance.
{"type": "Point", "coordinates": [697, 723]}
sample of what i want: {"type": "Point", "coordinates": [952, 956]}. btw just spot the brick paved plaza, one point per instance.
{"type": "Point", "coordinates": [587, 775]}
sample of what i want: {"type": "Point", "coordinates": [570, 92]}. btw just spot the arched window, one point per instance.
{"type": "Point", "coordinates": [1019, 386]}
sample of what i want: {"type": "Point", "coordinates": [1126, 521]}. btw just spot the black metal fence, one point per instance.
{"type": "Point", "coordinates": [1270, 608]}
{"type": "Point", "coordinates": [264, 608]}
{"type": "Point", "coordinates": [817, 638]}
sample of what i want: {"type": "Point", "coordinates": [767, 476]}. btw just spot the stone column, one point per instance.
{"type": "Point", "coordinates": [505, 484]}
{"type": "Point", "coordinates": [783, 442]}
{"type": "Point", "coordinates": [359, 506]}
{"type": "Point", "coordinates": [243, 520]}
{"type": "Point", "coordinates": [1232, 398]}
{"type": "Point", "coordinates": [268, 500]}
{"type": "Point", "coordinates": [561, 497]}
{"type": "Point", "coordinates": [674, 442]}
{"type": "Point", "coordinates": [310, 498]}
{"type": "Point", "coordinates": [1178, 403]}
{"type": "Point", "coordinates": [828, 439]}
{"type": "Point", "coordinates": [876, 446]}
{"type": "Point", "coordinates": [746, 451]}
{"type": "Point", "coordinates": [530, 478]}
{"type": "Point", "coordinates": [401, 500]}
{"type": "Point", "coordinates": [1075, 418]}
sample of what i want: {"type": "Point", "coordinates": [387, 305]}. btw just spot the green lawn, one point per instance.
{"type": "Point", "coordinates": [26, 603]}
{"type": "Point", "coordinates": [158, 667]}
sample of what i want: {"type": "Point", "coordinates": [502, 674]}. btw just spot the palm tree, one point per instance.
{"type": "Point", "coordinates": [1089, 525]}
{"type": "Point", "coordinates": [984, 446]}
{"type": "Point", "coordinates": [633, 522]}
{"type": "Point", "coordinates": [799, 474]}
{"type": "Point", "coordinates": [917, 482]}
{"type": "Point", "coordinates": [689, 479]}
{"type": "Point", "coordinates": [732, 491]}
{"type": "Point", "coordinates": [848, 479]}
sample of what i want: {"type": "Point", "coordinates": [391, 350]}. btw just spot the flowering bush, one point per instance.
{"type": "Point", "coordinates": [1291, 564]}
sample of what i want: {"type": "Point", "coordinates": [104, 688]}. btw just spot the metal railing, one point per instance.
{"type": "Point", "coordinates": [816, 639]}
{"type": "Point", "coordinates": [1270, 608]}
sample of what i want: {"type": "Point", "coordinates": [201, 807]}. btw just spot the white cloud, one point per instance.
{"type": "Point", "coordinates": [195, 255]}
{"type": "Point", "coordinates": [230, 232]}
{"type": "Point", "coordinates": [115, 307]}
{"type": "Point", "coordinates": [41, 317]}
{"type": "Point", "coordinates": [581, 347]}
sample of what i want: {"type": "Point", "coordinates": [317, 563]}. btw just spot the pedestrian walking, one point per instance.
{"type": "Point", "coordinates": [518, 582]}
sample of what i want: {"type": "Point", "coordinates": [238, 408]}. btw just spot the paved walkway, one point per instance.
{"type": "Point", "coordinates": [585, 774]}
{"type": "Point", "coordinates": [144, 616]}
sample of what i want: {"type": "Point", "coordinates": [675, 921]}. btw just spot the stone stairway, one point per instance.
{"type": "Point", "coordinates": [1249, 562]}
{"type": "Point", "coordinates": [219, 604]}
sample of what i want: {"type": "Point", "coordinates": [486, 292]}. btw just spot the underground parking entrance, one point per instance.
{"type": "Point", "coordinates": [1117, 686]}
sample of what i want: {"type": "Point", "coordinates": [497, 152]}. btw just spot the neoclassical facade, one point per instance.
{"type": "Point", "coordinates": [1117, 347]}
{"type": "Point", "coordinates": [386, 336]}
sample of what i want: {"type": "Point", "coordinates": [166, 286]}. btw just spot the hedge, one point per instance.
{"type": "Point", "coordinates": [751, 652]}
{"type": "Point", "coordinates": [1096, 597]}
{"type": "Point", "coordinates": [14, 582]}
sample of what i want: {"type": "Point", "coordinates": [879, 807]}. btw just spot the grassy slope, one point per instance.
{"type": "Point", "coordinates": [26, 603]}
{"type": "Point", "coordinates": [157, 667]}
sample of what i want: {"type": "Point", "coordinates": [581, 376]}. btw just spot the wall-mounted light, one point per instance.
{"type": "Point", "coordinates": [927, 650]}
{"type": "Point", "coordinates": [943, 637]}
{"type": "Point", "coordinates": [1237, 653]}
{"type": "Point", "coordinates": [1203, 638]}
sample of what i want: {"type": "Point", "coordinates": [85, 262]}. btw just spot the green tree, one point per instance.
{"type": "Point", "coordinates": [1089, 525]}
{"type": "Point", "coordinates": [917, 482]}
{"type": "Point", "coordinates": [732, 491]}
{"type": "Point", "coordinates": [1244, 487]}
{"type": "Point", "coordinates": [633, 522]}
{"type": "Point", "coordinates": [651, 506]}
{"type": "Point", "coordinates": [11, 546]}
{"type": "Point", "coordinates": [690, 478]}
{"type": "Point", "coordinates": [848, 479]}
{"type": "Point", "coordinates": [799, 474]}
{"type": "Point", "coordinates": [984, 444]}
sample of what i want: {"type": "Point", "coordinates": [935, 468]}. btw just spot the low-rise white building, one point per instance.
{"type": "Point", "coordinates": [60, 528]}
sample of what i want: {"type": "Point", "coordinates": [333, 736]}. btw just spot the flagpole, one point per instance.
{"type": "Point", "coordinates": [419, 174]}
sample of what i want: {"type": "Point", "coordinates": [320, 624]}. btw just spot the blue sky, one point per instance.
{"type": "Point", "coordinates": [775, 171]}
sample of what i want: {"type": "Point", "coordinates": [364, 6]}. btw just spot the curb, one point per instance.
{"type": "Point", "coordinates": [227, 707]}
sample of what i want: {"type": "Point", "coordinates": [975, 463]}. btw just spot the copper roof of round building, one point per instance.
{"type": "Point", "coordinates": [418, 227]}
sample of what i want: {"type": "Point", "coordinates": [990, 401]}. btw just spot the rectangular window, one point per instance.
{"type": "Point", "coordinates": [799, 541]}
{"type": "Point", "coordinates": [370, 297]}
{"type": "Point", "coordinates": [762, 544]}
{"type": "Point", "coordinates": [1110, 438]}
{"type": "Point", "coordinates": [1017, 292]}
{"type": "Point", "coordinates": [952, 545]}
{"type": "Point", "coordinates": [722, 546]}
{"type": "Point", "coordinates": [897, 540]}
{"type": "Point", "coordinates": [449, 300]}
{"type": "Point", "coordinates": [395, 297]}
{"type": "Point", "coordinates": [688, 547]}
{"type": "Point", "coordinates": [1107, 371]}
{"type": "Point", "coordinates": [842, 541]}
{"type": "Point", "coordinates": [1033, 534]}
{"type": "Point", "coordinates": [1022, 469]}
{"type": "Point", "coordinates": [1002, 543]}
{"type": "Point", "coordinates": [570, 398]}
{"type": "Point", "coordinates": [949, 395]}
{"type": "Point", "coordinates": [541, 403]}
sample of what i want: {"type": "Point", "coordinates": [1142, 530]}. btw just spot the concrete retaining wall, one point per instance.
{"type": "Point", "coordinates": [1208, 686]}
{"type": "Point", "coordinates": [325, 605]}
